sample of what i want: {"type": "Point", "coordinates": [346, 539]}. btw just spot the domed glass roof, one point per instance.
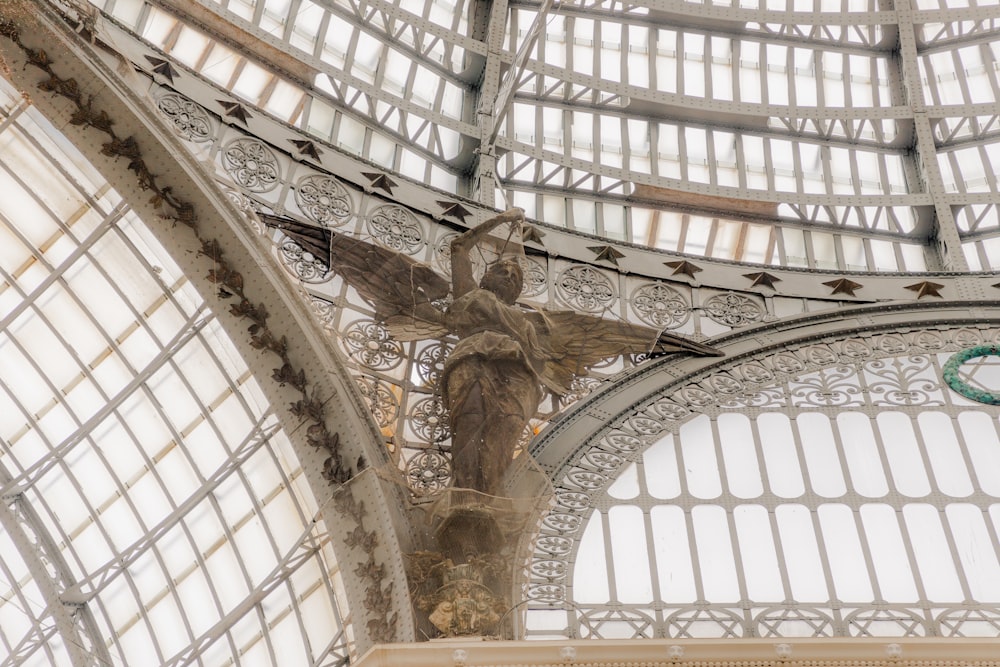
{"type": "Point", "coordinates": [831, 134]}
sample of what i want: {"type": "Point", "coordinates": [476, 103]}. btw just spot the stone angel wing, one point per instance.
{"type": "Point", "coordinates": [576, 342]}
{"type": "Point", "coordinates": [400, 288]}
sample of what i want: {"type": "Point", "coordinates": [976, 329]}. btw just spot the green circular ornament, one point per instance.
{"type": "Point", "coordinates": [955, 382]}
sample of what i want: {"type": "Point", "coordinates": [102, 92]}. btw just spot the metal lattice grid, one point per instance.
{"type": "Point", "coordinates": [834, 489]}
{"type": "Point", "coordinates": [152, 505]}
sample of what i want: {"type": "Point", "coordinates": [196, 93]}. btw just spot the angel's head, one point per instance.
{"type": "Point", "coordinates": [505, 279]}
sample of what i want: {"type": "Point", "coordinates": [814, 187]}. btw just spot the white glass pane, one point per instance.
{"type": "Point", "coordinates": [947, 461]}
{"type": "Point", "coordinates": [798, 541]}
{"type": "Point", "coordinates": [660, 466]}
{"type": "Point", "coordinates": [783, 471]}
{"type": "Point", "coordinates": [861, 452]}
{"type": "Point", "coordinates": [930, 548]}
{"type": "Point", "coordinates": [740, 455]}
{"type": "Point", "coordinates": [906, 463]}
{"type": "Point", "coordinates": [980, 434]}
{"type": "Point", "coordinates": [630, 557]}
{"type": "Point", "coordinates": [590, 573]}
{"type": "Point", "coordinates": [701, 470]}
{"type": "Point", "coordinates": [976, 551]}
{"type": "Point", "coordinates": [715, 553]}
{"type": "Point", "coordinates": [673, 554]}
{"type": "Point", "coordinates": [844, 553]}
{"type": "Point", "coordinates": [822, 461]}
{"type": "Point", "coordinates": [757, 550]}
{"type": "Point", "coordinates": [888, 554]}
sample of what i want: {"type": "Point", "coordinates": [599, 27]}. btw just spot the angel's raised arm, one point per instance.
{"type": "Point", "coordinates": [462, 279]}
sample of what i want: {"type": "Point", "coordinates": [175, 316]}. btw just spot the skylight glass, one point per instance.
{"type": "Point", "coordinates": [146, 482]}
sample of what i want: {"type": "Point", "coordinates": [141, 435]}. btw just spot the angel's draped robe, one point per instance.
{"type": "Point", "coordinates": [490, 386]}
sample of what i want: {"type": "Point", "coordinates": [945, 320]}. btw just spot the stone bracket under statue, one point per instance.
{"type": "Point", "coordinates": [462, 581]}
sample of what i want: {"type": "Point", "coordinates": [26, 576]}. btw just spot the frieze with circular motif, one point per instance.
{"type": "Point", "coordinates": [733, 310]}
{"type": "Point", "coordinates": [585, 288]}
{"type": "Point", "coordinates": [660, 306]}
{"type": "Point", "coordinates": [251, 164]}
{"type": "Point", "coordinates": [189, 120]}
{"type": "Point", "coordinates": [323, 199]}
{"type": "Point", "coordinates": [428, 472]}
{"type": "Point", "coordinates": [396, 228]}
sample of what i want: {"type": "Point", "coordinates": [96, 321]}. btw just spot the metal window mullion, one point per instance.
{"type": "Point", "coordinates": [55, 274]}
{"type": "Point", "coordinates": [37, 470]}
{"type": "Point", "coordinates": [790, 76]}
{"type": "Point", "coordinates": [55, 163]}
{"type": "Point", "coordinates": [911, 559]}
{"type": "Point", "coordinates": [203, 409]}
{"type": "Point", "coordinates": [303, 550]}
{"type": "Point", "coordinates": [738, 566]}
{"type": "Point", "coordinates": [687, 503]}
{"type": "Point", "coordinates": [98, 579]}
{"type": "Point", "coordinates": [679, 57]}
{"type": "Point", "coordinates": [956, 559]}
{"type": "Point", "coordinates": [988, 173]}
{"type": "Point", "coordinates": [856, 512]}
{"type": "Point", "coordinates": [46, 583]}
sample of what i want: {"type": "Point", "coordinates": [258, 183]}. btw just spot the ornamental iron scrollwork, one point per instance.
{"type": "Point", "coordinates": [615, 623]}
{"type": "Point", "coordinates": [324, 200]}
{"type": "Point", "coordinates": [370, 344]}
{"type": "Point", "coordinates": [382, 402]}
{"type": "Point", "coordinates": [396, 228]}
{"type": "Point", "coordinates": [733, 310]}
{"type": "Point", "coordinates": [704, 623]}
{"type": "Point", "coordinates": [428, 472]}
{"type": "Point", "coordinates": [890, 369]}
{"type": "Point", "coordinates": [535, 279]}
{"type": "Point", "coordinates": [969, 623]}
{"type": "Point", "coordinates": [794, 622]}
{"type": "Point", "coordinates": [301, 263]}
{"type": "Point", "coordinates": [660, 306]}
{"type": "Point", "coordinates": [904, 381]}
{"type": "Point", "coordinates": [429, 420]}
{"type": "Point", "coordinates": [885, 622]}
{"type": "Point", "coordinates": [251, 164]}
{"type": "Point", "coordinates": [430, 363]}
{"type": "Point", "coordinates": [585, 288]}
{"type": "Point", "coordinates": [189, 120]}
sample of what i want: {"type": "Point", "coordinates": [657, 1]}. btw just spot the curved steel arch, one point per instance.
{"type": "Point", "coordinates": [585, 451]}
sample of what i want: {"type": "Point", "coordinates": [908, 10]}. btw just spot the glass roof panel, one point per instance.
{"type": "Point", "coordinates": [135, 445]}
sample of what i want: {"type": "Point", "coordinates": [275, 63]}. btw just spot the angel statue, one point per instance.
{"type": "Point", "coordinates": [508, 354]}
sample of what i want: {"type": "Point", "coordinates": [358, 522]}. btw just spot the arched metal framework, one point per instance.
{"type": "Point", "coordinates": [843, 148]}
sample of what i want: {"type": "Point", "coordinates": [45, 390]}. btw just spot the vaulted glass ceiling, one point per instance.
{"type": "Point", "coordinates": [153, 511]}
{"type": "Point", "coordinates": [831, 134]}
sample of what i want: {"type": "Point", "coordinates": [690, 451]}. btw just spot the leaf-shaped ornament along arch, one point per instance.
{"type": "Point", "coordinates": [811, 491]}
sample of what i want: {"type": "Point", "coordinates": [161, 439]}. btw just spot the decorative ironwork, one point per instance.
{"type": "Point", "coordinates": [585, 288]}
{"type": "Point", "coordinates": [582, 386]}
{"type": "Point", "coordinates": [251, 164]}
{"type": "Point", "coordinates": [428, 472]}
{"type": "Point", "coordinates": [535, 278]}
{"type": "Point", "coordinates": [429, 420]}
{"type": "Point", "coordinates": [733, 310]}
{"type": "Point", "coordinates": [301, 263]}
{"type": "Point", "coordinates": [660, 305]}
{"type": "Point", "coordinates": [381, 401]}
{"type": "Point", "coordinates": [370, 344]}
{"type": "Point", "coordinates": [190, 121]}
{"type": "Point", "coordinates": [863, 373]}
{"type": "Point", "coordinates": [430, 363]}
{"type": "Point", "coordinates": [396, 228]}
{"type": "Point", "coordinates": [323, 199]}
